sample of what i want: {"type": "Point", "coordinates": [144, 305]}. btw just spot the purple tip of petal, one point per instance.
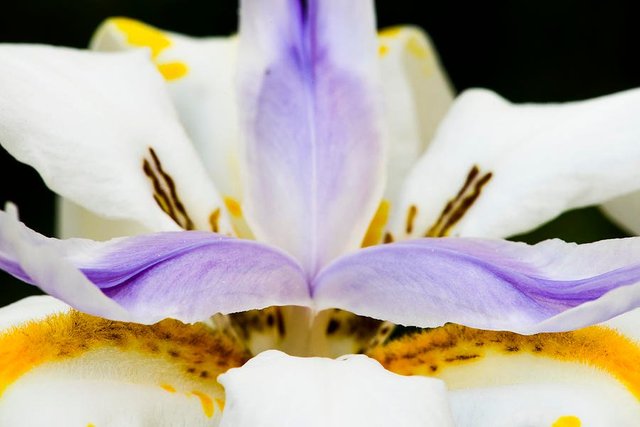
{"type": "Point", "coordinates": [486, 284]}
{"type": "Point", "coordinates": [183, 275]}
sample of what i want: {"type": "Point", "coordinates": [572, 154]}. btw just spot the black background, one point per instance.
{"type": "Point", "coordinates": [537, 51]}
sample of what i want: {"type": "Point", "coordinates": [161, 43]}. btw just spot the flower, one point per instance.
{"type": "Point", "coordinates": [311, 163]}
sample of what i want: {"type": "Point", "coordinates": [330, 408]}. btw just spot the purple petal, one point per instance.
{"type": "Point", "coordinates": [487, 284]}
{"type": "Point", "coordinates": [311, 122]}
{"type": "Point", "coordinates": [183, 275]}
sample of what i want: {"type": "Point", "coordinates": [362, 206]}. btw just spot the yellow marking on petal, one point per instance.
{"type": "Point", "coordinates": [205, 401]}
{"type": "Point", "coordinates": [416, 48]}
{"type": "Point", "coordinates": [213, 220]}
{"type": "Point", "coordinates": [390, 32]}
{"type": "Point", "coordinates": [198, 352]}
{"type": "Point", "coordinates": [233, 206]}
{"type": "Point", "coordinates": [374, 233]}
{"type": "Point", "coordinates": [139, 34]}
{"type": "Point", "coordinates": [383, 49]}
{"type": "Point", "coordinates": [173, 70]}
{"type": "Point", "coordinates": [220, 403]}
{"type": "Point", "coordinates": [433, 351]}
{"type": "Point", "coordinates": [168, 387]}
{"type": "Point", "coordinates": [567, 421]}
{"type": "Point", "coordinates": [91, 425]}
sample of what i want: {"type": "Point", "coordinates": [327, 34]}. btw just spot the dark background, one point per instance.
{"type": "Point", "coordinates": [537, 51]}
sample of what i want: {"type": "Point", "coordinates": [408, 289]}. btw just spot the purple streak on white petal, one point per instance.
{"type": "Point", "coordinates": [183, 275]}
{"type": "Point", "coordinates": [487, 284]}
{"type": "Point", "coordinates": [311, 124]}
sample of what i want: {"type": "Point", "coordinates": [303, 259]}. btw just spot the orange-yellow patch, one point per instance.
{"type": "Point", "coordinates": [168, 387]}
{"type": "Point", "coordinates": [433, 351]}
{"type": "Point", "coordinates": [233, 206]}
{"type": "Point", "coordinates": [390, 32]}
{"type": "Point", "coordinates": [205, 401]}
{"type": "Point", "coordinates": [374, 233]}
{"type": "Point", "coordinates": [196, 351]}
{"type": "Point", "coordinates": [567, 421]}
{"type": "Point", "coordinates": [138, 34]}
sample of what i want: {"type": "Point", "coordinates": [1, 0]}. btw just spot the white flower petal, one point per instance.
{"type": "Point", "coordinates": [549, 405]}
{"type": "Point", "coordinates": [585, 377]}
{"type": "Point", "coordinates": [274, 389]}
{"type": "Point", "coordinates": [417, 94]}
{"type": "Point", "coordinates": [101, 131]}
{"type": "Point", "coordinates": [527, 163]}
{"type": "Point", "coordinates": [73, 220]}
{"type": "Point", "coordinates": [73, 369]}
{"type": "Point", "coordinates": [623, 211]}
{"type": "Point", "coordinates": [30, 309]}
{"type": "Point", "coordinates": [203, 92]}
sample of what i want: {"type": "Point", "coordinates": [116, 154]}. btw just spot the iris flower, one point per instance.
{"type": "Point", "coordinates": [254, 237]}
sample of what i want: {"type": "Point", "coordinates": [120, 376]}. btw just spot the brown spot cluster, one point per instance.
{"type": "Point", "coordinates": [431, 351]}
{"type": "Point", "coordinates": [268, 320]}
{"type": "Point", "coordinates": [362, 330]}
{"type": "Point", "coordinates": [457, 207]}
{"type": "Point", "coordinates": [198, 350]}
{"type": "Point", "coordinates": [165, 193]}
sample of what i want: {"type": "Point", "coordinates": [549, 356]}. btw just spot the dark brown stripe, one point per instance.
{"type": "Point", "coordinates": [411, 215]}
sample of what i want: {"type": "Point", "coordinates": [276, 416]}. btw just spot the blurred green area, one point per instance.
{"type": "Point", "coordinates": [543, 51]}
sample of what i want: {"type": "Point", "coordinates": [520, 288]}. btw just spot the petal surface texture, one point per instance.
{"type": "Point", "coordinates": [65, 368]}
{"type": "Point", "coordinates": [183, 275]}
{"type": "Point", "coordinates": [487, 284]}
{"type": "Point", "coordinates": [101, 131]}
{"type": "Point", "coordinates": [310, 118]}
{"type": "Point", "coordinates": [496, 169]}
{"type": "Point", "coordinates": [277, 390]}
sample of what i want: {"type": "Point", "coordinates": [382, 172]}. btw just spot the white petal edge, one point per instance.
{"type": "Point", "coordinates": [204, 97]}
{"type": "Point", "coordinates": [544, 159]}
{"type": "Point", "coordinates": [30, 309]}
{"type": "Point", "coordinates": [623, 211]}
{"type": "Point", "coordinates": [91, 147]}
{"type": "Point", "coordinates": [274, 389]}
{"type": "Point", "coordinates": [416, 95]}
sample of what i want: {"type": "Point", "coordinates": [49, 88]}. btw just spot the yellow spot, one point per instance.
{"type": "Point", "coordinates": [139, 34]}
{"type": "Point", "coordinates": [432, 351]}
{"type": "Point", "coordinates": [168, 387]}
{"type": "Point", "coordinates": [383, 49]}
{"type": "Point", "coordinates": [91, 425]}
{"type": "Point", "coordinates": [213, 220]}
{"type": "Point", "coordinates": [173, 70]}
{"type": "Point", "coordinates": [374, 233]}
{"type": "Point", "coordinates": [233, 206]}
{"type": "Point", "coordinates": [220, 403]}
{"type": "Point", "coordinates": [567, 421]}
{"type": "Point", "coordinates": [390, 32]}
{"type": "Point", "coordinates": [416, 48]}
{"type": "Point", "coordinates": [205, 401]}
{"type": "Point", "coordinates": [69, 335]}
